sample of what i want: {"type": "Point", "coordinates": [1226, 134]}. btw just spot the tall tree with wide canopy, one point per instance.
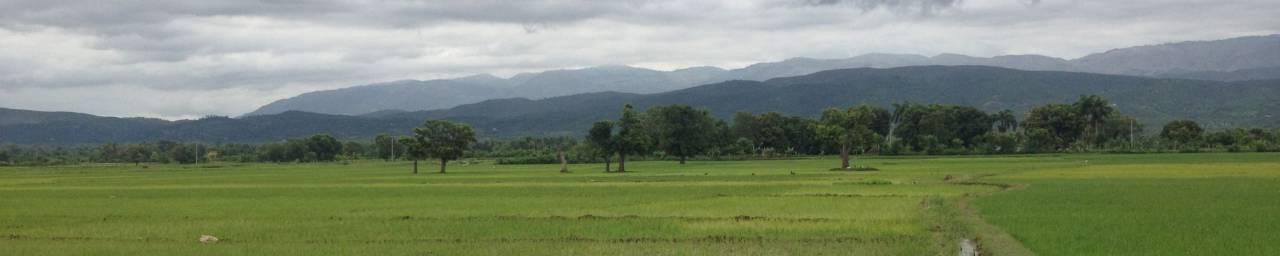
{"type": "Point", "coordinates": [135, 153]}
{"type": "Point", "coordinates": [1184, 132]}
{"type": "Point", "coordinates": [848, 127]}
{"type": "Point", "coordinates": [773, 131]}
{"type": "Point", "coordinates": [324, 146]}
{"type": "Point", "coordinates": [632, 137]}
{"type": "Point", "coordinates": [601, 138]}
{"type": "Point", "coordinates": [1060, 123]}
{"type": "Point", "coordinates": [440, 139]}
{"type": "Point", "coordinates": [683, 131]}
{"type": "Point", "coordinates": [745, 127]}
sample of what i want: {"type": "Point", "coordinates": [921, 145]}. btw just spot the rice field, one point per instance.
{"type": "Point", "coordinates": [1199, 204]}
{"type": "Point", "coordinates": [1046, 204]}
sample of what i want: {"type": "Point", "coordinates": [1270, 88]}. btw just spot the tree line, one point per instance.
{"type": "Point", "coordinates": [680, 133]}
{"type": "Point", "coordinates": [1090, 124]}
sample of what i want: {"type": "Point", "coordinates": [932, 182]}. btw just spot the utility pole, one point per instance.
{"type": "Point", "coordinates": [197, 152]}
{"type": "Point", "coordinates": [1131, 125]}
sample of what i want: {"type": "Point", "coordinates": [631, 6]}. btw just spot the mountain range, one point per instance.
{"type": "Point", "coordinates": [1153, 101]}
{"type": "Point", "coordinates": [413, 95]}
{"type": "Point", "coordinates": [1237, 59]}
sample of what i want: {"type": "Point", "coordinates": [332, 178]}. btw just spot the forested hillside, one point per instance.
{"type": "Point", "coordinates": [1152, 101]}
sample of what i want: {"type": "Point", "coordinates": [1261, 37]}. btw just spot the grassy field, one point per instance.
{"type": "Point", "coordinates": [1197, 204]}
{"type": "Point", "coordinates": [1054, 205]}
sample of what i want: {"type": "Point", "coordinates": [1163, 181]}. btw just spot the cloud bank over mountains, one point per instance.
{"type": "Point", "coordinates": [181, 59]}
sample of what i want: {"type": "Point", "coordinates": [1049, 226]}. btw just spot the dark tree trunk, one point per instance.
{"type": "Point", "coordinates": [443, 163]}
{"type": "Point", "coordinates": [622, 162]}
{"type": "Point", "coordinates": [415, 166]}
{"type": "Point", "coordinates": [682, 159]}
{"type": "Point", "coordinates": [607, 161]}
{"type": "Point", "coordinates": [844, 156]}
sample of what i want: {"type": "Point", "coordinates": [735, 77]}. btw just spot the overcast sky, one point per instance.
{"type": "Point", "coordinates": [182, 59]}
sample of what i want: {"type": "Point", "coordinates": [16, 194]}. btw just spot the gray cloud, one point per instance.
{"type": "Point", "coordinates": [921, 7]}
{"type": "Point", "coordinates": [227, 57]}
{"type": "Point", "coordinates": [132, 16]}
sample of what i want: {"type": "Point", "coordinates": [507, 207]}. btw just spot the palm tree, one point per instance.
{"type": "Point", "coordinates": [1095, 109]}
{"type": "Point", "coordinates": [1005, 121]}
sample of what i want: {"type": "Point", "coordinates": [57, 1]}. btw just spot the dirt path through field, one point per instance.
{"type": "Point", "coordinates": [988, 239]}
{"type": "Point", "coordinates": [968, 248]}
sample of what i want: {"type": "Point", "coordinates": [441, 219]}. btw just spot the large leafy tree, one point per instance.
{"type": "Point", "coordinates": [771, 132]}
{"type": "Point", "coordinates": [847, 128]}
{"type": "Point", "coordinates": [183, 154]}
{"type": "Point", "coordinates": [682, 131]}
{"type": "Point", "coordinates": [109, 152]}
{"type": "Point", "coordinates": [967, 124]}
{"type": "Point", "coordinates": [439, 139]}
{"type": "Point", "coordinates": [932, 127]}
{"type": "Point", "coordinates": [801, 135]}
{"type": "Point", "coordinates": [632, 138]}
{"type": "Point", "coordinates": [600, 138]}
{"type": "Point", "coordinates": [721, 139]}
{"type": "Point", "coordinates": [1184, 132]}
{"type": "Point", "coordinates": [1060, 123]}
{"type": "Point", "coordinates": [136, 153]}
{"type": "Point", "coordinates": [325, 147]}
{"type": "Point", "coordinates": [745, 127]}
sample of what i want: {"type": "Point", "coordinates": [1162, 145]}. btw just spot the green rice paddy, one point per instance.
{"type": "Point", "coordinates": [1172, 204]}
